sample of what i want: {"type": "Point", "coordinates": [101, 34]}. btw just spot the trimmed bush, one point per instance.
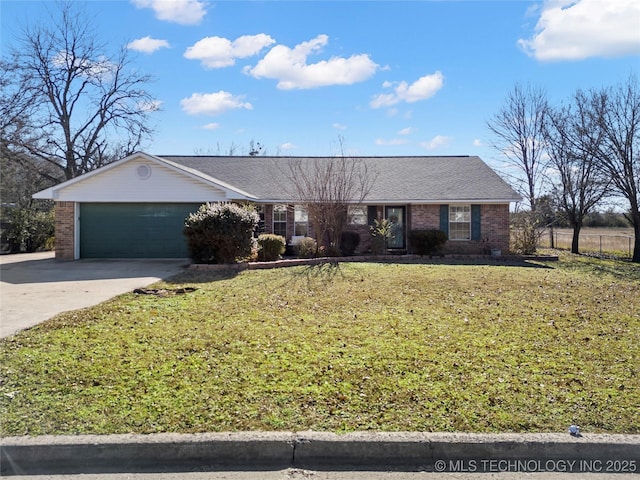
{"type": "Point", "coordinates": [220, 233]}
{"type": "Point", "coordinates": [306, 247]}
{"type": "Point", "coordinates": [270, 247]}
{"type": "Point", "coordinates": [426, 242]}
{"type": "Point", "coordinates": [349, 241]}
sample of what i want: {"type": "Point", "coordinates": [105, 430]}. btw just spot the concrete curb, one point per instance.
{"type": "Point", "coordinates": [439, 452]}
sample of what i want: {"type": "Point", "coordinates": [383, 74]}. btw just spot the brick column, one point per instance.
{"type": "Point", "coordinates": [65, 230]}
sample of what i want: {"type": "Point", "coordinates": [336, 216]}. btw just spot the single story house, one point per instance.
{"type": "Point", "coordinates": [136, 207]}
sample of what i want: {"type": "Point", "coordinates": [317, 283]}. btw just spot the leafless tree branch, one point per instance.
{"type": "Point", "coordinates": [518, 129]}
{"type": "Point", "coordinates": [79, 108]}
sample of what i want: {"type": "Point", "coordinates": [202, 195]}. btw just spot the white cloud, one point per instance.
{"type": "Point", "coordinates": [391, 142]}
{"type": "Point", "coordinates": [217, 52]}
{"type": "Point", "coordinates": [551, 172]}
{"type": "Point", "coordinates": [478, 143]}
{"type": "Point", "coordinates": [288, 146]}
{"type": "Point", "coordinates": [579, 29]}
{"type": "Point", "coordinates": [152, 106]}
{"type": "Point", "coordinates": [147, 44]}
{"type": "Point", "coordinates": [211, 126]}
{"type": "Point", "coordinates": [407, 131]}
{"type": "Point", "coordinates": [101, 68]}
{"type": "Point", "coordinates": [184, 12]}
{"type": "Point", "coordinates": [384, 100]}
{"type": "Point", "coordinates": [289, 66]}
{"type": "Point", "coordinates": [212, 103]}
{"type": "Point", "coordinates": [339, 126]}
{"type": "Point", "coordinates": [436, 142]}
{"type": "Point", "coordinates": [422, 89]}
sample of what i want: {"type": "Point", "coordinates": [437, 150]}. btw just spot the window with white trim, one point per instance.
{"type": "Point", "coordinates": [300, 221]}
{"type": "Point", "coordinates": [357, 215]}
{"type": "Point", "coordinates": [459, 222]}
{"type": "Point", "coordinates": [280, 220]}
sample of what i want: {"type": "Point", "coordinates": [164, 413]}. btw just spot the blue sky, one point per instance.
{"type": "Point", "coordinates": [389, 77]}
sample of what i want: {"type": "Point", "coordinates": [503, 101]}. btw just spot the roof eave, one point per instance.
{"type": "Point", "coordinates": [493, 201]}
{"type": "Point", "coordinates": [51, 193]}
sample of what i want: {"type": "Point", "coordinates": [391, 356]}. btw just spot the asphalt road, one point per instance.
{"type": "Point", "coordinates": [297, 474]}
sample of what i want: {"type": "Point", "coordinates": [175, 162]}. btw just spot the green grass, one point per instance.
{"type": "Point", "coordinates": [389, 347]}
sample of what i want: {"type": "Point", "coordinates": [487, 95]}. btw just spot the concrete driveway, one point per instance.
{"type": "Point", "coordinates": [35, 287]}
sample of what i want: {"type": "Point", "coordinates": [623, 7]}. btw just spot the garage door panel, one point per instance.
{"type": "Point", "coordinates": [133, 230]}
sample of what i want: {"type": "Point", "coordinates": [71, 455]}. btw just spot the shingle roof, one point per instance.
{"type": "Point", "coordinates": [397, 179]}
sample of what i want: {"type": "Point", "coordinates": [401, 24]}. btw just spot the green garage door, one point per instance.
{"type": "Point", "coordinates": [133, 230]}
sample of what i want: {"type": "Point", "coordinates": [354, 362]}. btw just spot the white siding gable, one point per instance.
{"type": "Point", "coordinates": [141, 180]}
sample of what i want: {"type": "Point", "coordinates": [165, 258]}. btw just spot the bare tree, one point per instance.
{"type": "Point", "coordinates": [572, 137]}
{"type": "Point", "coordinates": [518, 128]}
{"type": "Point", "coordinates": [78, 107]}
{"type": "Point", "coordinates": [14, 107]}
{"type": "Point", "coordinates": [253, 149]}
{"type": "Point", "coordinates": [617, 109]}
{"type": "Point", "coordinates": [326, 187]}
{"type": "Point", "coordinates": [21, 177]}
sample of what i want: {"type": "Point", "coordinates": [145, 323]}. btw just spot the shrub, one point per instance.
{"type": "Point", "coordinates": [349, 241]}
{"type": "Point", "coordinates": [380, 235]}
{"type": "Point", "coordinates": [426, 242]}
{"type": "Point", "coordinates": [329, 251]}
{"type": "Point", "coordinates": [253, 256]}
{"type": "Point", "coordinates": [270, 247]}
{"type": "Point", "coordinates": [30, 229]}
{"type": "Point", "coordinates": [220, 233]}
{"type": "Point", "coordinates": [306, 247]}
{"type": "Point", "coordinates": [526, 230]}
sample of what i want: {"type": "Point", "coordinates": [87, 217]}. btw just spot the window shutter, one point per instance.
{"type": "Point", "coordinates": [444, 219]}
{"type": "Point", "coordinates": [475, 222]}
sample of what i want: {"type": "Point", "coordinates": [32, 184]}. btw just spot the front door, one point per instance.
{"type": "Point", "coordinates": [396, 216]}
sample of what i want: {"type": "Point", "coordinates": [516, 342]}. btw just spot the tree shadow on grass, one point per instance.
{"type": "Point", "coordinates": [619, 270]}
{"type": "Point", "coordinates": [204, 276]}
{"type": "Point", "coordinates": [470, 261]}
{"type": "Point", "coordinates": [323, 273]}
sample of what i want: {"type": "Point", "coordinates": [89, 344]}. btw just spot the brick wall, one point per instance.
{"type": "Point", "coordinates": [494, 226]}
{"type": "Point", "coordinates": [268, 218]}
{"type": "Point", "coordinates": [424, 217]}
{"type": "Point", "coordinates": [65, 230]}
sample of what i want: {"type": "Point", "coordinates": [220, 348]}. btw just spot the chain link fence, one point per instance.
{"type": "Point", "coordinates": [619, 244]}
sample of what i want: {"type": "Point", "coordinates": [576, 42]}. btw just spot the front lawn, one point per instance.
{"type": "Point", "coordinates": [393, 347]}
